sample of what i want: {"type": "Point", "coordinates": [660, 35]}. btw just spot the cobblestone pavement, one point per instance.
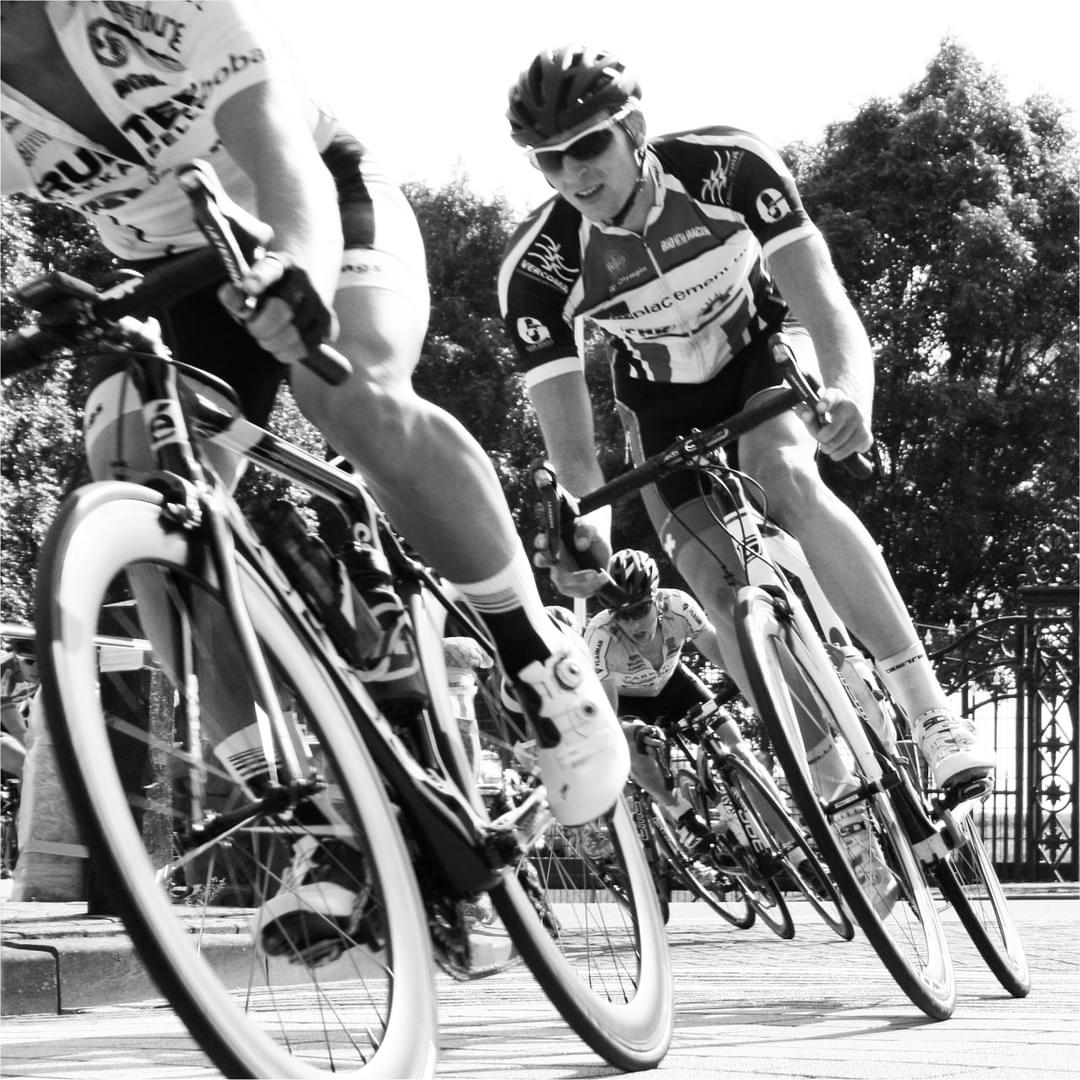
{"type": "Point", "coordinates": [748, 1006]}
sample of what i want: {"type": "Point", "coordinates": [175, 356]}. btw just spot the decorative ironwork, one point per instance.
{"type": "Point", "coordinates": [1016, 676]}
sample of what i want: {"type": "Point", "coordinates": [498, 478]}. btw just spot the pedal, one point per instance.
{"type": "Point", "coordinates": [967, 791]}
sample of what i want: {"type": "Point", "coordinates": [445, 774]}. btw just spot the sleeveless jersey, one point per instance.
{"type": "Point", "coordinates": [158, 72]}
{"type": "Point", "coordinates": [677, 302]}
{"type": "Point", "coordinates": [616, 656]}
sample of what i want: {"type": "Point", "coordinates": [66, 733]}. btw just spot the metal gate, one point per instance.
{"type": "Point", "coordinates": [1016, 676]}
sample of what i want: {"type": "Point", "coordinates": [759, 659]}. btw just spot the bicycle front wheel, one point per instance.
{"type": "Point", "coordinates": [854, 824]}
{"type": "Point", "coordinates": [583, 911]}
{"type": "Point", "coordinates": [699, 875]}
{"type": "Point", "coordinates": [182, 823]}
{"type": "Point", "coordinates": [971, 885]}
{"type": "Point", "coordinates": [794, 856]}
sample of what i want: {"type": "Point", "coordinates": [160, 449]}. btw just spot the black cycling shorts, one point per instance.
{"type": "Point", "coordinates": [680, 694]}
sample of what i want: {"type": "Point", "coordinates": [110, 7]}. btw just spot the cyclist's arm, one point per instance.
{"type": "Point", "coordinates": [708, 644]}
{"type": "Point", "coordinates": [804, 272]}
{"type": "Point", "coordinates": [264, 129]}
{"type": "Point", "coordinates": [564, 411]}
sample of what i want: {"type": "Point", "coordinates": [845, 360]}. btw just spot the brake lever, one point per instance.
{"type": "Point", "coordinates": [859, 465]}
{"type": "Point", "coordinates": [239, 238]}
{"type": "Point", "coordinates": [559, 511]}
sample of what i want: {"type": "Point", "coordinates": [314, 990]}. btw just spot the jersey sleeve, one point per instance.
{"type": "Point", "coordinates": [539, 270]}
{"type": "Point", "coordinates": [685, 607]}
{"type": "Point", "coordinates": [736, 169]}
{"type": "Point", "coordinates": [226, 47]}
{"type": "Point", "coordinates": [598, 642]}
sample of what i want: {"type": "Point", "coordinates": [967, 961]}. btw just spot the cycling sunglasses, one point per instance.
{"type": "Point", "coordinates": [586, 145]}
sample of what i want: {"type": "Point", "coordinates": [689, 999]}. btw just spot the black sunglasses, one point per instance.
{"type": "Point", "coordinates": [587, 148]}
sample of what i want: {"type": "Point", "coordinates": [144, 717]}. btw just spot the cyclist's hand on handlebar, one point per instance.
{"type": "Point", "coordinates": [280, 308]}
{"type": "Point", "coordinates": [571, 581]}
{"type": "Point", "coordinates": [838, 424]}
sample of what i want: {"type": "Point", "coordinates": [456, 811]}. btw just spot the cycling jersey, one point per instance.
{"type": "Point", "coordinates": [616, 656]}
{"type": "Point", "coordinates": [158, 72]}
{"type": "Point", "coordinates": [679, 301]}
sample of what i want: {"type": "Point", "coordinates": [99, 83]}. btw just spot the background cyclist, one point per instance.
{"type": "Point", "coordinates": [637, 650]}
{"type": "Point", "coordinates": [102, 102]}
{"type": "Point", "coordinates": [689, 251]}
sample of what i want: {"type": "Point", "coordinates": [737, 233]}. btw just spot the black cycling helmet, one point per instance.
{"type": "Point", "coordinates": [637, 574]}
{"type": "Point", "coordinates": [564, 86]}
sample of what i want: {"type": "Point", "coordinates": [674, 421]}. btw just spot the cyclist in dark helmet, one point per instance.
{"type": "Point", "coordinates": [689, 251]}
{"type": "Point", "coordinates": [637, 650]}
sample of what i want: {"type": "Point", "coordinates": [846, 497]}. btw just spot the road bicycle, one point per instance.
{"type": "Point", "coordinates": [884, 837]}
{"type": "Point", "coordinates": [304, 703]}
{"type": "Point", "coordinates": [756, 852]}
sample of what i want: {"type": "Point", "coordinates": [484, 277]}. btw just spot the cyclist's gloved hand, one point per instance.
{"type": "Point", "coordinates": [648, 736]}
{"type": "Point", "coordinates": [568, 579]}
{"type": "Point", "coordinates": [838, 424]}
{"type": "Point", "coordinates": [288, 317]}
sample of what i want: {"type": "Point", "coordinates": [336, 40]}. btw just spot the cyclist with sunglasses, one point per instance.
{"type": "Point", "coordinates": [637, 650]}
{"type": "Point", "coordinates": [689, 251]}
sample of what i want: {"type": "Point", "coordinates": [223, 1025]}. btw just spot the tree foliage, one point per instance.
{"type": "Point", "coordinates": [952, 217]}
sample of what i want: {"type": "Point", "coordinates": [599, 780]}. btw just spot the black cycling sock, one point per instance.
{"type": "Point", "coordinates": [518, 643]}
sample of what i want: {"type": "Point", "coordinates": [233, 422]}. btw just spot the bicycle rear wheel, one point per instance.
{"type": "Point", "coordinates": [183, 843]}
{"type": "Point", "coordinates": [971, 885]}
{"type": "Point", "coordinates": [796, 859]}
{"type": "Point", "coordinates": [797, 692]}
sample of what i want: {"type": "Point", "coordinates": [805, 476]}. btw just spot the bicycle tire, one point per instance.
{"type": "Point", "coordinates": [970, 883]}
{"type": "Point", "coordinates": [793, 683]}
{"type": "Point", "coordinates": [582, 911]}
{"type": "Point", "coordinates": [782, 836]}
{"type": "Point", "coordinates": [606, 967]}
{"type": "Point", "coordinates": [385, 1006]}
{"type": "Point", "coordinates": [722, 893]}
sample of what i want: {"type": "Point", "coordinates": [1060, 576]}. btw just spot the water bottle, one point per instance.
{"type": "Point", "coordinates": [319, 576]}
{"type": "Point", "coordinates": [391, 667]}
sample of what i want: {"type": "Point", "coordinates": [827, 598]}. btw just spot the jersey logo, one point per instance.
{"type": "Point", "coordinates": [716, 186]}
{"type": "Point", "coordinates": [772, 205]}
{"type": "Point", "coordinates": [532, 330]}
{"type": "Point", "coordinates": [545, 261]}
{"type": "Point", "coordinates": [113, 45]}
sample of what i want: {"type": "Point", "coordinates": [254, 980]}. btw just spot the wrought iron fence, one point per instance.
{"type": "Point", "coordinates": [1015, 675]}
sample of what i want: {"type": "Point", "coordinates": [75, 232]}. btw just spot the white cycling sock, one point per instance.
{"type": "Point", "coordinates": [909, 676]}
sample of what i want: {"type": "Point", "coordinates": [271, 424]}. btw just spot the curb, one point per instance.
{"type": "Point", "coordinates": [52, 962]}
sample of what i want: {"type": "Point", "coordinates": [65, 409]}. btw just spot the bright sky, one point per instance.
{"type": "Point", "coordinates": [425, 82]}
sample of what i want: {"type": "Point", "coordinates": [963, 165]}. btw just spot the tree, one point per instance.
{"type": "Point", "coordinates": [40, 427]}
{"type": "Point", "coordinates": [952, 218]}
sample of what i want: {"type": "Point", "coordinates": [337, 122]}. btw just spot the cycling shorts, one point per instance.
{"type": "Point", "coordinates": [383, 249]}
{"type": "Point", "coordinates": [655, 414]}
{"type": "Point", "coordinates": [680, 694]}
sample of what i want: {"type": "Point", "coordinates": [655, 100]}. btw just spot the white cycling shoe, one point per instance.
{"type": "Point", "coordinates": [949, 745]}
{"type": "Point", "coordinates": [583, 756]}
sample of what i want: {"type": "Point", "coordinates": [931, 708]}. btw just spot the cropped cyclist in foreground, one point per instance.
{"type": "Point", "coordinates": [102, 102]}
{"type": "Point", "coordinates": [688, 251]}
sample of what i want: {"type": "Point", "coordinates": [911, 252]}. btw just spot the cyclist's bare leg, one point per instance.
{"type": "Point", "coordinates": [780, 455]}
